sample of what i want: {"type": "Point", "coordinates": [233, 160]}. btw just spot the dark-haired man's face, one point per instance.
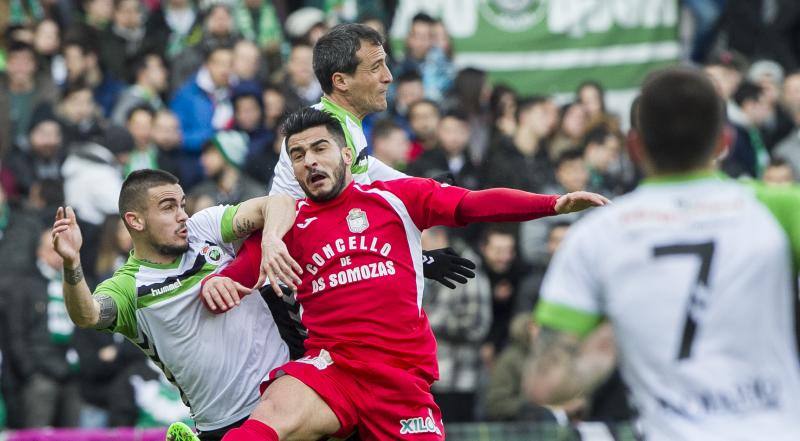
{"type": "Point", "coordinates": [419, 40]}
{"type": "Point", "coordinates": [320, 164]}
{"type": "Point", "coordinates": [370, 81]}
{"type": "Point", "coordinates": [220, 67]}
{"type": "Point", "coordinates": [165, 220]}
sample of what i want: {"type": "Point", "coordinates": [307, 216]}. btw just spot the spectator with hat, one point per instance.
{"type": "Point", "coordinates": [223, 158]}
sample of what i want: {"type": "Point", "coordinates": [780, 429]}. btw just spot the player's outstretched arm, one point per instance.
{"type": "Point", "coordinates": [223, 290]}
{"type": "Point", "coordinates": [508, 205]}
{"type": "Point", "coordinates": [83, 309]}
{"type": "Point", "coordinates": [563, 368]}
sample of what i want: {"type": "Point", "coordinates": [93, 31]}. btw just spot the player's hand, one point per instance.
{"type": "Point", "coordinates": [277, 265]}
{"type": "Point", "coordinates": [222, 293]}
{"type": "Point", "coordinates": [67, 239]}
{"type": "Point", "coordinates": [443, 264]}
{"type": "Point", "coordinates": [579, 201]}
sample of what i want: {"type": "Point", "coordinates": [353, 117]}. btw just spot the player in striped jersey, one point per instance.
{"type": "Point", "coordinates": [696, 273]}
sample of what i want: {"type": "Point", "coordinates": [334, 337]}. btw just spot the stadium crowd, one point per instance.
{"type": "Point", "coordinates": [93, 90]}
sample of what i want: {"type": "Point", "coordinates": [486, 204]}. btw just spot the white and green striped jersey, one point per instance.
{"type": "Point", "coordinates": [216, 360]}
{"type": "Point", "coordinates": [697, 275]}
{"type": "Point", "coordinates": [366, 169]}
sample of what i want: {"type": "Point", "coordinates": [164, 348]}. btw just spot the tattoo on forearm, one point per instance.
{"type": "Point", "coordinates": [244, 227]}
{"type": "Point", "coordinates": [73, 276]}
{"type": "Point", "coordinates": [108, 310]}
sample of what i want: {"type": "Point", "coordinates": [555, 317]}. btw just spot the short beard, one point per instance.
{"type": "Point", "coordinates": [338, 184]}
{"type": "Point", "coordinates": [171, 250]}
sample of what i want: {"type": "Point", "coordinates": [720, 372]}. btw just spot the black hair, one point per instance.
{"type": "Point", "coordinates": [409, 76]}
{"type": "Point", "coordinates": [20, 46]}
{"type": "Point", "coordinates": [422, 102]}
{"type": "Point", "coordinates": [139, 64]}
{"type": "Point", "coordinates": [747, 91]}
{"type": "Point", "coordinates": [383, 128]}
{"type": "Point", "coordinates": [133, 196]}
{"type": "Point", "coordinates": [457, 114]}
{"type": "Point", "coordinates": [75, 86]}
{"type": "Point", "coordinates": [596, 135]}
{"type": "Point", "coordinates": [309, 117]}
{"type": "Point", "coordinates": [529, 102]}
{"type": "Point", "coordinates": [140, 108]}
{"type": "Point", "coordinates": [211, 48]}
{"type": "Point", "coordinates": [336, 51]}
{"type": "Point", "coordinates": [680, 117]}
{"type": "Point", "coordinates": [421, 17]}
{"type": "Point", "coordinates": [594, 85]}
{"type": "Point", "coordinates": [568, 155]}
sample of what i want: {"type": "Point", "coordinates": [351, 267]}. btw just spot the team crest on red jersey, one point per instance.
{"type": "Point", "coordinates": [357, 220]}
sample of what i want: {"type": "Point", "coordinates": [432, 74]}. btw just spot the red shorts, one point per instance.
{"type": "Point", "coordinates": [381, 401]}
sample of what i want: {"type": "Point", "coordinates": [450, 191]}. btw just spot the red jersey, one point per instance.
{"type": "Point", "coordinates": [361, 291]}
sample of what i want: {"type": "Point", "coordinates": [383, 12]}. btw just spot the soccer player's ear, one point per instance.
{"type": "Point", "coordinates": [340, 82]}
{"type": "Point", "coordinates": [633, 142]}
{"type": "Point", "coordinates": [347, 156]}
{"type": "Point", "coordinates": [134, 220]}
{"type": "Point", "coordinates": [724, 142]}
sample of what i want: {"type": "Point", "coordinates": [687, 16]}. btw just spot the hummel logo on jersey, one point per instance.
{"type": "Point", "coordinates": [427, 260]}
{"type": "Point", "coordinates": [158, 291]}
{"type": "Point", "coordinates": [306, 223]}
{"type": "Point", "coordinates": [321, 361]}
{"type": "Point", "coordinates": [419, 425]}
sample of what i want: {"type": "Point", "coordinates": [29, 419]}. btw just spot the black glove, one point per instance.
{"type": "Point", "coordinates": [443, 264]}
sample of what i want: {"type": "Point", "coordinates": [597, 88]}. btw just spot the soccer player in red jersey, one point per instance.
{"type": "Point", "coordinates": [370, 354]}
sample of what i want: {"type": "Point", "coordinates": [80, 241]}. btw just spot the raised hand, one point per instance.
{"type": "Point", "coordinates": [67, 239]}
{"type": "Point", "coordinates": [222, 293]}
{"type": "Point", "coordinates": [579, 201]}
{"type": "Point", "coordinates": [277, 265]}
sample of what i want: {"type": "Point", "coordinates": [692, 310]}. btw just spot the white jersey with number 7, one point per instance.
{"type": "Point", "coordinates": [697, 275]}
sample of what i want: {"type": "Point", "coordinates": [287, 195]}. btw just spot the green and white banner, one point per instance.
{"type": "Point", "coordinates": [550, 46]}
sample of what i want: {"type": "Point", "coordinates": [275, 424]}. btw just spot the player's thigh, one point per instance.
{"type": "Point", "coordinates": [295, 411]}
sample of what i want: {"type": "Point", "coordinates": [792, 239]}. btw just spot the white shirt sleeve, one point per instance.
{"type": "Point", "coordinates": [215, 225]}
{"type": "Point", "coordinates": [378, 171]}
{"type": "Point", "coordinates": [572, 279]}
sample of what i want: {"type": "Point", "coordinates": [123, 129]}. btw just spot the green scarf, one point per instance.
{"type": "Point", "coordinates": [58, 321]}
{"type": "Point", "coordinates": [20, 15]}
{"type": "Point", "coordinates": [762, 156]}
{"type": "Point", "coordinates": [269, 28]}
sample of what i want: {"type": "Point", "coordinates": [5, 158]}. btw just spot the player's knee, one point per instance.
{"type": "Point", "coordinates": [278, 416]}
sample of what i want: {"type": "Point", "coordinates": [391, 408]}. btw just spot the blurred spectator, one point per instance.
{"type": "Point", "coordinates": [574, 120]}
{"type": "Point", "coordinates": [124, 38]}
{"type": "Point", "coordinates": [450, 155]}
{"type": "Point", "coordinates": [83, 65]}
{"type": "Point", "coordinates": [427, 59]}
{"type": "Point", "coordinates": [408, 91]}
{"type": "Point", "coordinates": [173, 27]}
{"type": "Point", "coordinates": [86, 165]}
{"type": "Point", "coordinates": [763, 29]}
{"type": "Point", "coordinates": [504, 397]}
{"type": "Point", "coordinates": [166, 136]}
{"type": "Point", "coordinates": [769, 75]}
{"type": "Point", "coordinates": [19, 237]}
{"type": "Point", "coordinates": [470, 94]}
{"type": "Point", "coordinates": [223, 158]}
{"type": "Point", "coordinates": [247, 63]}
{"type": "Point", "coordinates": [97, 15]}
{"type": "Point", "coordinates": [78, 114]}
{"type": "Point", "coordinates": [274, 106]}
{"type": "Point", "coordinates": [748, 155]}
{"type": "Point", "coordinates": [45, 197]}
{"type": "Point", "coordinates": [521, 162]}
{"type": "Point", "coordinates": [149, 81]}
{"type": "Point", "coordinates": [140, 125]}
{"type": "Point", "coordinates": [306, 24]}
{"type": "Point", "coordinates": [249, 118]}
{"type": "Point", "coordinates": [203, 104]}
{"type": "Point", "coordinates": [40, 351]}
{"type": "Point", "coordinates": [423, 119]}
{"type": "Point", "coordinates": [503, 107]}
{"type": "Point", "coordinates": [300, 86]}
{"type": "Point", "coordinates": [592, 96]}
{"type": "Point", "coordinates": [115, 245]}
{"type": "Point", "coordinates": [218, 31]}
{"type": "Point", "coordinates": [779, 172]}
{"type": "Point", "coordinates": [258, 22]}
{"type": "Point", "coordinates": [460, 319]}
{"type": "Point", "coordinates": [531, 284]}
{"type": "Point", "coordinates": [602, 148]}
{"type": "Point", "coordinates": [47, 43]}
{"type": "Point", "coordinates": [726, 70]}
{"type": "Point", "coordinates": [43, 156]}
{"type": "Point", "coordinates": [706, 14]}
{"type": "Point", "coordinates": [506, 271]}
{"type": "Point", "coordinates": [22, 90]}
{"type": "Point", "coordinates": [390, 144]}
{"type": "Point", "coordinates": [572, 174]}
